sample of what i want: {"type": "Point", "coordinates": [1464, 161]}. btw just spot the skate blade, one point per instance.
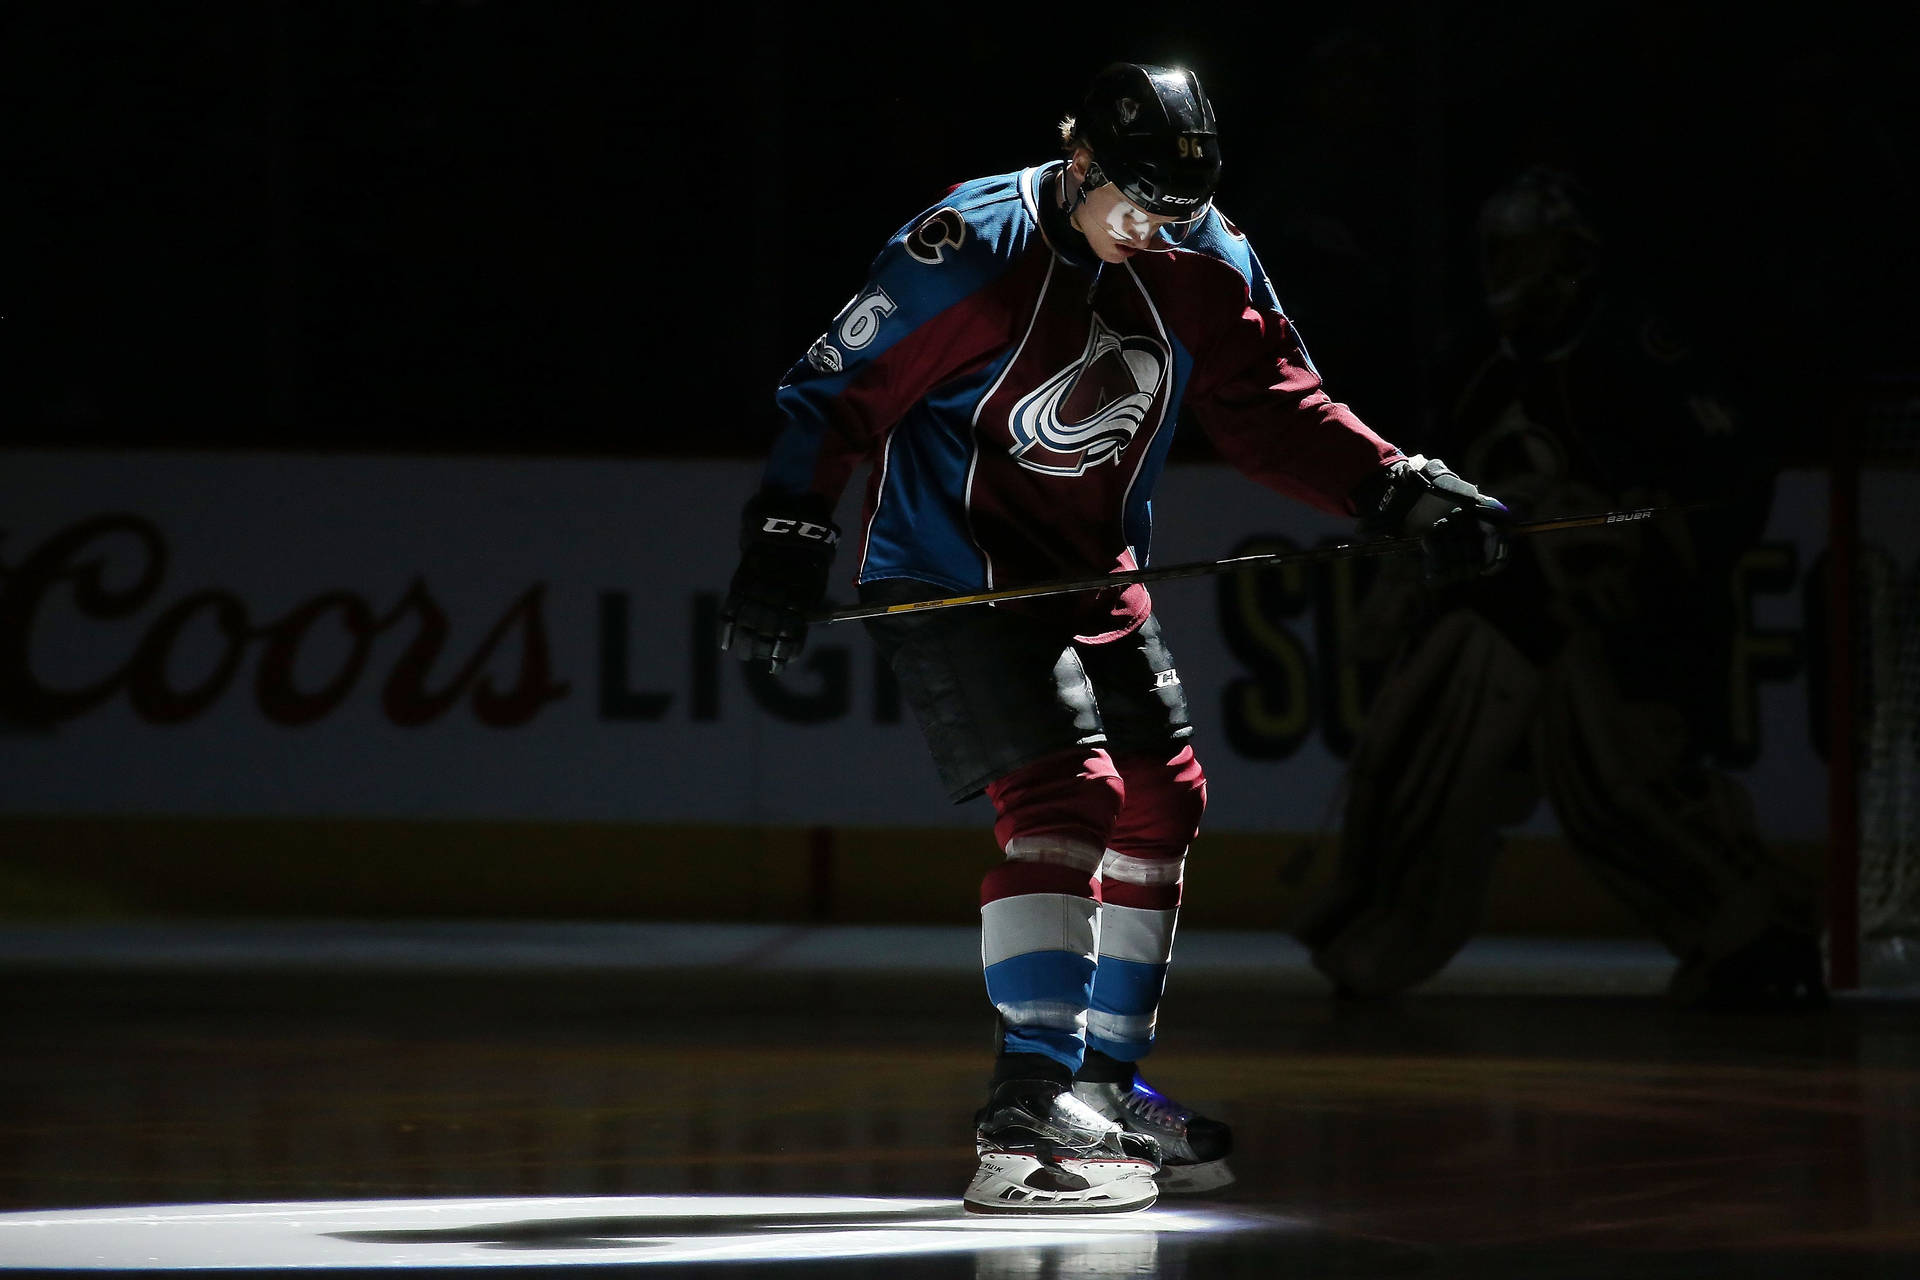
{"type": "Point", "coordinates": [1194, 1179]}
{"type": "Point", "coordinates": [1006, 1184]}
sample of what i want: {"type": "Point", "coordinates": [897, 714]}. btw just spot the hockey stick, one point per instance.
{"type": "Point", "coordinates": [1202, 568]}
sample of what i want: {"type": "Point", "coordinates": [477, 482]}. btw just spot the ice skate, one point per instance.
{"type": "Point", "coordinates": [1043, 1151]}
{"type": "Point", "coordinates": [1193, 1148]}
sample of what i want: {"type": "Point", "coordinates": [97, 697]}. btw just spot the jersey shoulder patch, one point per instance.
{"type": "Point", "coordinates": [940, 232]}
{"type": "Point", "coordinates": [979, 220]}
{"type": "Point", "coordinates": [945, 255]}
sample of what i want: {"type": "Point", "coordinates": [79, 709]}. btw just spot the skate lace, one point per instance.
{"type": "Point", "coordinates": [1148, 1103]}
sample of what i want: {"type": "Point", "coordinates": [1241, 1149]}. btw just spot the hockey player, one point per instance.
{"type": "Point", "coordinates": [1013, 367]}
{"type": "Point", "coordinates": [1593, 674]}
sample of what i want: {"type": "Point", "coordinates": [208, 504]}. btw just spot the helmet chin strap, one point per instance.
{"type": "Point", "coordinates": [1071, 204]}
{"type": "Point", "coordinates": [1094, 178]}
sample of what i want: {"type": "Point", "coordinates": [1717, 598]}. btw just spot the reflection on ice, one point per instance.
{"type": "Point", "coordinates": [622, 1230]}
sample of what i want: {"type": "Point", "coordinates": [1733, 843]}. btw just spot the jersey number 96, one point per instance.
{"type": "Point", "coordinates": [863, 317]}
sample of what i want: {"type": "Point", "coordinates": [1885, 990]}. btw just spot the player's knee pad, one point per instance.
{"type": "Point", "coordinates": [1146, 850]}
{"type": "Point", "coordinates": [1058, 807]}
{"type": "Point", "coordinates": [1166, 794]}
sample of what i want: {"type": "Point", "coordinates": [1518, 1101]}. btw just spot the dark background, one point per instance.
{"type": "Point", "coordinates": [607, 229]}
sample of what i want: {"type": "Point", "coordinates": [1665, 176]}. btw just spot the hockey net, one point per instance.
{"type": "Point", "coordinates": [1885, 698]}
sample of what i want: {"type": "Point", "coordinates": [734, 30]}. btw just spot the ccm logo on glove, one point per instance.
{"type": "Point", "coordinates": [802, 528]}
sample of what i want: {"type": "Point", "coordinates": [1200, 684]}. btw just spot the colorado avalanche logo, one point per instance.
{"type": "Point", "coordinates": [1087, 413]}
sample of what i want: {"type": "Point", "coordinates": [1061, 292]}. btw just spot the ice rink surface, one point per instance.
{"type": "Point", "coordinates": [738, 1100]}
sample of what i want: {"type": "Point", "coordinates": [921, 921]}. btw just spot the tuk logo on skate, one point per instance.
{"type": "Point", "coordinates": [1089, 412]}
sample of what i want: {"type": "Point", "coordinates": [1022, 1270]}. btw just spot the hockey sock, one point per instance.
{"type": "Point", "coordinates": [1141, 904]}
{"type": "Point", "coordinates": [1039, 910]}
{"type": "Point", "coordinates": [1140, 885]}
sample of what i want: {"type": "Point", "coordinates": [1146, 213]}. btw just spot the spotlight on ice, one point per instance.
{"type": "Point", "coordinates": [578, 1231]}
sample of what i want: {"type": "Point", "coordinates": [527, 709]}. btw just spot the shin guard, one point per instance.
{"type": "Point", "coordinates": [1140, 878]}
{"type": "Point", "coordinates": [1039, 910]}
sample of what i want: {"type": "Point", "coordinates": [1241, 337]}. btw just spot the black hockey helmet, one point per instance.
{"type": "Point", "coordinates": [1540, 257]}
{"type": "Point", "coordinates": [1153, 136]}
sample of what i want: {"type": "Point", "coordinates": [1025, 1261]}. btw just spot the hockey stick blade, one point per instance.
{"type": "Point", "coordinates": [1204, 568]}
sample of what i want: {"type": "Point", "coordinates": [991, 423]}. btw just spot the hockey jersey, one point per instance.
{"type": "Point", "coordinates": [1018, 398]}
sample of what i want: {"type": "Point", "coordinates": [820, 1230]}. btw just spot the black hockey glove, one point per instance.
{"type": "Point", "coordinates": [1461, 530]}
{"type": "Point", "coordinates": [786, 550]}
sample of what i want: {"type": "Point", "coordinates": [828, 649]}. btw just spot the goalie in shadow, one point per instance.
{"type": "Point", "coordinates": [1592, 674]}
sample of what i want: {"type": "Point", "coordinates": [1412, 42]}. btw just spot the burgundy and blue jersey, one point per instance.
{"type": "Point", "coordinates": [1018, 399]}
